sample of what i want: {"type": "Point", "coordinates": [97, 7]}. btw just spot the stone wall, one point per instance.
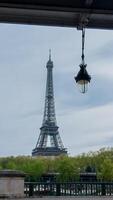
{"type": "Point", "coordinates": [11, 183]}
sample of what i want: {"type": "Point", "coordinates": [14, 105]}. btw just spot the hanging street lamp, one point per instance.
{"type": "Point", "coordinates": [83, 78]}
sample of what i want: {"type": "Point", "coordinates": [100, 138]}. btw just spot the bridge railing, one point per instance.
{"type": "Point", "coordinates": [69, 189]}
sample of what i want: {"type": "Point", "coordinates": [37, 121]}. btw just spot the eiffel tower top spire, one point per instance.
{"type": "Point", "coordinates": [50, 62]}
{"type": "Point", "coordinates": [49, 54]}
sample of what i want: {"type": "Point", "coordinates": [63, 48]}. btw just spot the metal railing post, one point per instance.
{"type": "Point", "coordinates": [58, 189]}
{"type": "Point", "coordinates": [30, 189]}
{"type": "Point", "coordinates": [103, 189]}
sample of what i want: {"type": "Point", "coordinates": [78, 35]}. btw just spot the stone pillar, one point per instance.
{"type": "Point", "coordinates": [11, 183]}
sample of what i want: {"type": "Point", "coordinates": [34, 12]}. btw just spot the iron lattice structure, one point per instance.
{"type": "Point", "coordinates": [49, 130]}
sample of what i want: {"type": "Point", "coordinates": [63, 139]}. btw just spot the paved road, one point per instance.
{"type": "Point", "coordinates": [76, 198]}
{"type": "Point", "coordinates": [67, 198]}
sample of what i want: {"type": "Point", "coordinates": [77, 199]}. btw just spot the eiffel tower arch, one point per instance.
{"type": "Point", "coordinates": [49, 141]}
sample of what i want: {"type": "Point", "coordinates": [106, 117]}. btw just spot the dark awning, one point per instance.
{"type": "Point", "coordinates": [67, 13]}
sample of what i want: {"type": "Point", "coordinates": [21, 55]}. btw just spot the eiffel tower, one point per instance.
{"type": "Point", "coordinates": [49, 142]}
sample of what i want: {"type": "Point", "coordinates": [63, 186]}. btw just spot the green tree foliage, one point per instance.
{"type": "Point", "coordinates": [68, 168]}
{"type": "Point", "coordinates": [106, 172]}
{"type": "Point", "coordinates": [32, 167]}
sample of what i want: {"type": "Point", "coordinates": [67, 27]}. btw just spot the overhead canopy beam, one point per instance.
{"type": "Point", "coordinates": [67, 13]}
{"type": "Point", "coordinates": [84, 17]}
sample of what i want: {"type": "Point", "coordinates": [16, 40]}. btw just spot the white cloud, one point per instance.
{"type": "Point", "coordinates": [86, 129]}
{"type": "Point", "coordinates": [24, 52]}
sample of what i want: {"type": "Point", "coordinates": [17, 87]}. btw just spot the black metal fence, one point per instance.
{"type": "Point", "coordinates": [68, 189]}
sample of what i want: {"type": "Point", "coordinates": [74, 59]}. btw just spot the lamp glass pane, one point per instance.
{"type": "Point", "coordinates": [83, 86]}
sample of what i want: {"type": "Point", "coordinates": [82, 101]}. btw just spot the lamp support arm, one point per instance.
{"type": "Point", "coordinates": [83, 41]}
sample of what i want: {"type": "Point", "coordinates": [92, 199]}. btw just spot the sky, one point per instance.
{"type": "Point", "coordinates": [85, 120]}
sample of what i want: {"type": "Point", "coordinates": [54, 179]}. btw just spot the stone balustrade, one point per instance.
{"type": "Point", "coordinates": [11, 184]}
